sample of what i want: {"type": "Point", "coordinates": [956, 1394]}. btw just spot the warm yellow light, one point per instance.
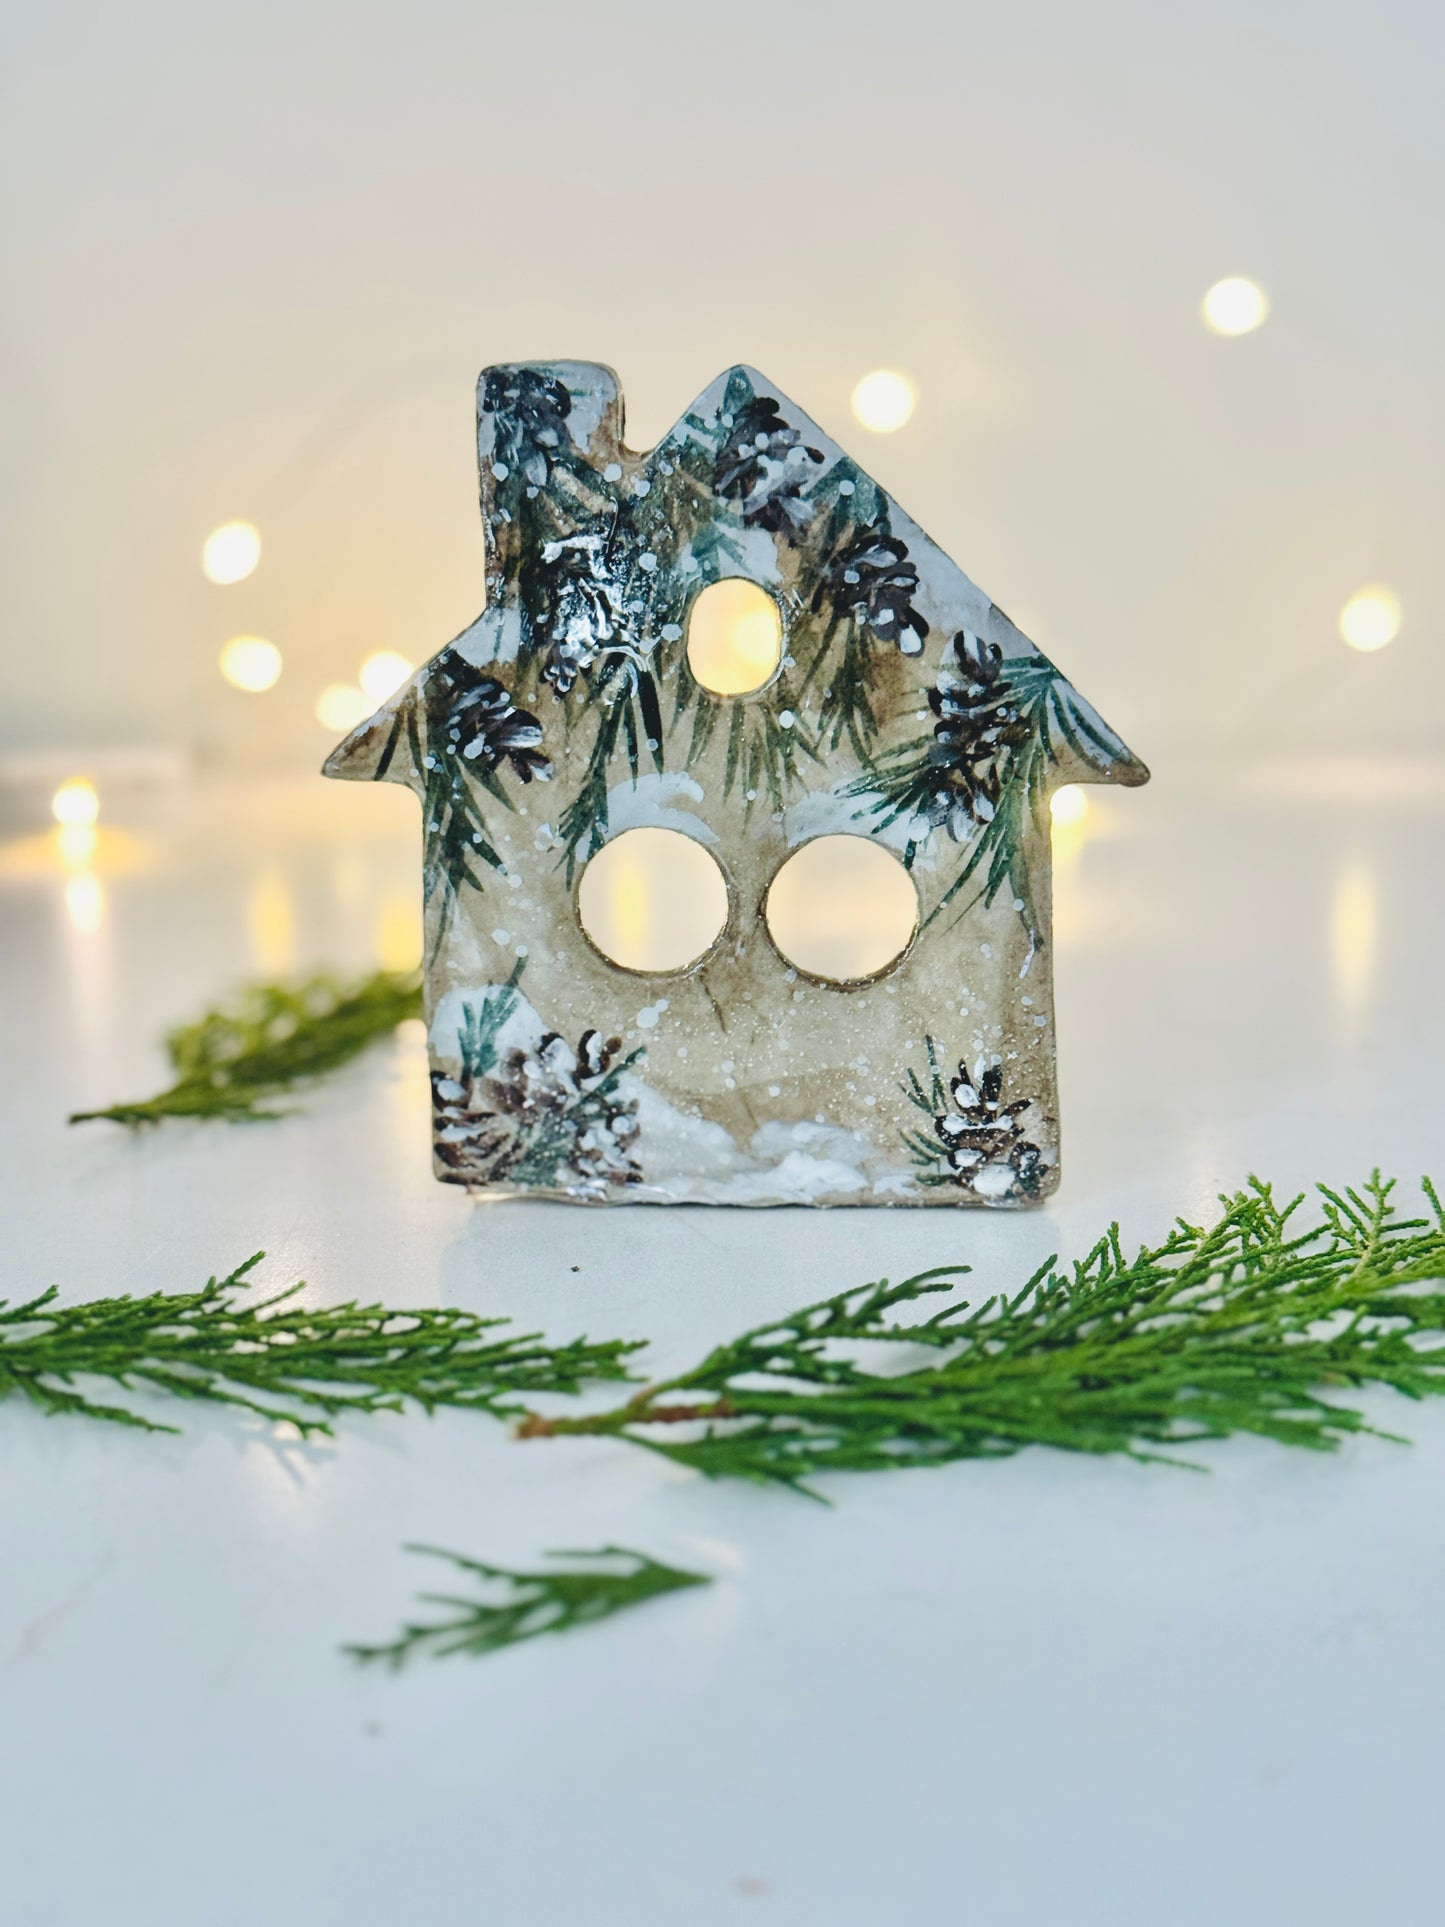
{"type": "Point", "coordinates": [884, 400]}
{"type": "Point", "coordinates": [734, 637]}
{"type": "Point", "coordinates": [75, 802]}
{"type": "Point", "coordinates": [1354, 921]}
{"type": "Point", "coordinates": [399, 933]}
{"type": "Point", "coordinates": [85, 904]}
{"type": "Point", "coordinates": [231, 552]}
{"type": "Point", "coordinates": [1235, 306]}
{"type": "Point", "coordinates": [383, 673]}
{"type": "Point", "coordinates": [1370, 619]}
{"type": "Point", "coordinates": [341, 705]}
{"type": "Point", "coordinates": [271, 913]}
{"type": "Point", "coordinates": [1069, 805]}
{"type": "Point", "coordinates": [251, 663]}
{"type": "Point", "coordinates": [78, 843]}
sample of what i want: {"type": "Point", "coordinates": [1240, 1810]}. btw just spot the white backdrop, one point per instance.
{"type": "Point", "coordinates": [257, 255]}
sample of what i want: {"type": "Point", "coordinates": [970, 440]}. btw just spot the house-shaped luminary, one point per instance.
{"type": "Point", "coordinates": [903, 708]}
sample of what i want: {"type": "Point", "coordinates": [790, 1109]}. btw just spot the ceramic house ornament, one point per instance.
{"type": "Point", "coordinates": [891, 703]}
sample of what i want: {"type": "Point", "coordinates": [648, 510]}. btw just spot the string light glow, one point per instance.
{"type": "Point", "coordinates": [1068, 805]}
{"type": "Point", "coordinates": [231, 552]}
{"type": "Point", "coordinates": [1235, 306]}
{"type": "Point", "coordinates": [1370, 619]}
{"type": "Point", "coordinates": [383, 673]}
{"type": "Point", "coordinates": [75, 802]}
{"type": "Point", "coordinates": [78, 843]}
{"type": "Point", "coordinates": [884, 400]}
{"type": "Point", "coordinates": [85, 904]}
{"type": "Point", "coordinates": [1354, 934]}
{"type": "Point", "coordinates": [341, 706]}
{"type": "Point", "coordinates": [251, 663]}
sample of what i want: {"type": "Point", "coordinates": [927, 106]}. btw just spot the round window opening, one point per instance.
{"type": "Point", "coordinates": [734, 637]}
{"type": "Point", "coordinates": [842, 908]}
{"type": "Point", "coordinates": [652, 900]}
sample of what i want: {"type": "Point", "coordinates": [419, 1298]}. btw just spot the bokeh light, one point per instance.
{"type": "Point", "coordinates": [1068, 805]}
{"type": "Point", "coordinates": [1354, 934]}
{"type": "Point", "coordinates": [78, 843]}
{"type": "Point", "coordinates": [383, 673]}
{"type": "Point", "coordinates": [1235, 306]}
{"type": "Point", "coordinates": [75, 802]}
{"type": "Point", "coordinates": [231, 552]}
{"type": "Point", "coordinates": [251, 663]}
{"type": "Point", "coordinates": [1370, 619]}
{"type": "Point", "coordinates": [271, 914]}
{"type": "Point", "coordinates": [884, 400]}
{"type": "Point", "coordinates": [398, 943]}
{"type": "Point", "coordinates": [341, 706]}
{"type": "Point", "coordinates": [85, 904]}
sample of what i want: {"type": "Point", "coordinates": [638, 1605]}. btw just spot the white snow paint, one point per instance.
{"type": "Point", "coordinates": [654, 802]}
{"type": "Point", "coordinates": [495, 636]}
{"type": "Point", "coordinates": [686, 1158]}
{"type": "Point", "coordinates": [831, 812]}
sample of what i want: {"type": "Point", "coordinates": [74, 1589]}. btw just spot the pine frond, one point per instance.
{"type": "Point", "coordinates": [270, 1038]}
{"type": "Point", "coordinates": [279, 1359]}
{"type": "Point", "coordinates": [1248, 1325]}
{"type": "Point", "coordinates": [517, 1606]}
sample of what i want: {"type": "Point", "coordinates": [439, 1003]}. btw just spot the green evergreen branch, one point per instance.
{"type": "Point", "coordinates": [517, 1606]}
{"type": "Point", "coordinates": [281, 1360]}
{"type": "Point", "coordinates": [271, 1037]}
{"type": "Point", "coordinates": [1241, 1326]}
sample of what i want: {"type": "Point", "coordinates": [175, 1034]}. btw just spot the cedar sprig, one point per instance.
{"type": "Point", "coordinates": [517, 1606]}
{"type": "Point", "coordinates": [270, 1038]}
{"type": "Point", "coordinates": [282, 1360]}
{"type": "Point", "coordinates": [1243, 1325]}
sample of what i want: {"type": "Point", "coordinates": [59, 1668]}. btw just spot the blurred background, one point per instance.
{"type": "Point", "coordinates": [257, 256]}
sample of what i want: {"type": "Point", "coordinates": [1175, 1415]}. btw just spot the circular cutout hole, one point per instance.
{"type": "Point", "coordinates": [734, 637]}
{"type": "Point", "coordinates": [652, 900]}
{"type": "Point", "coordinates": [842, 908]}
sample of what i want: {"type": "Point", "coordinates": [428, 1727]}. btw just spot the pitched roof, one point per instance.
{"type": "Point", "coordinates": [776, 490]}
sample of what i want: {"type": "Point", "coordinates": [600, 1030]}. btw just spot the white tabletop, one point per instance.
{"type": "Point", "coordinates": [1049, 1690]}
